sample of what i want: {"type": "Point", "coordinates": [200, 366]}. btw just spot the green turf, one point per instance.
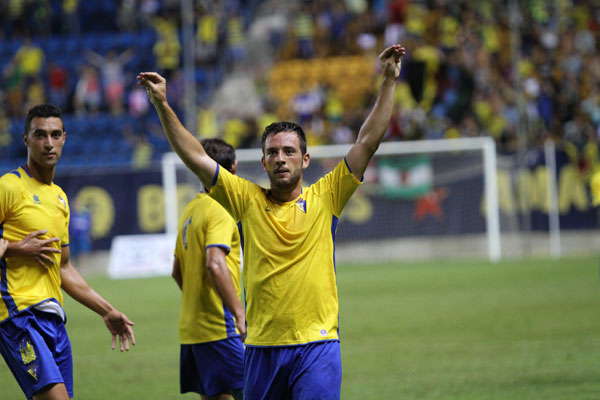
{"type": "Point", "coordinates": [445, 330]}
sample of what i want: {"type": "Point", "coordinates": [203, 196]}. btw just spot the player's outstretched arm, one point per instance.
{"type": "Point", "coordinates": [117, 323]}
{"type": "Point", "coordinates": [372, 130]}
{"type": "Point", "coordinates": [32, 246]}
{"type": "Point", "coordinates": [221, 278]}
{"type": "Point", "coordinates": [182, 141]}
{"type": "Point", "coordinates": [3, 246]}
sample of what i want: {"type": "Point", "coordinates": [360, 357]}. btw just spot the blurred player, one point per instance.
{"type": "Point", "coordinates": [288, 232]}
{"type": "Point", "coordinates": [212, 322]}
{"type": "Point", "coordinates": [33, 338]}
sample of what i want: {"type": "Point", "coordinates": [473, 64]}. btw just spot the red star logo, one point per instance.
{"type": "Point", "coordinates": [430, 204]}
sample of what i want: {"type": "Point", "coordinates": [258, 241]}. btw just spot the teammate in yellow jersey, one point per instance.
{"type": "Point", "coordinates": [212, 322]}
{"type": "Point", "coordinates": [36, 266]}
{"type": "Point", "coordinates": [288, 234]}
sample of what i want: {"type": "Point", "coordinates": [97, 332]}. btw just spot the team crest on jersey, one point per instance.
{"type": "Point", "coordinates": [301, 204]}
{"type": "Point", "coordinates": [64, 203]}
{"type": "Point", "coordinates": [36, 199]}
{"type": "Point", "coordinates": [27, 352]}
{"type": "Point", "coordinates": [186, 224]}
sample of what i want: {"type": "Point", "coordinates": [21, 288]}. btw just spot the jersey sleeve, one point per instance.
{"type": "Point", "coordinates": [337, 187]}
{"type": "Point", "coordinates": [232, 192]}
{"type": "Point", "coordinates": [219, 229]}
{"type": "Point", "coordinates": [10, 189]}
{"type": "Point", "coordinates": [64, 241]}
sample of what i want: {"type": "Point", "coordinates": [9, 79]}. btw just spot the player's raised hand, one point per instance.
{"type": "Point", "coordinates": [120, 326]}
{"type": "Point", "coordinates": [3, 246]}
{"type": "Point", "coordinates": [40, 249]}
{"type": "Point", "coordinates": [156, 86]}
{"type": "Point", "coordinates": [391, 60]}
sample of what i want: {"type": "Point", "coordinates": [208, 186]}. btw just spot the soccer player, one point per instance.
{"type": "Point", "coordinates": [212, 321]}
{"type": "Point", "coordinates": [33, 338]}
{"type": "Point", "coordinates": [288, 233]}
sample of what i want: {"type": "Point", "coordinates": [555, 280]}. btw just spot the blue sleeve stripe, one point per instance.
{"type": "Point", "coordinates": [350, 169]}
{"type": "Point", "coordinates": [221, 246]}
{"type": "Point", "coordinates": [214, 182]}
{"type": "Point", "coordinates": [346, 161]}
{"type": "Point", "coordinates": [16, 173]}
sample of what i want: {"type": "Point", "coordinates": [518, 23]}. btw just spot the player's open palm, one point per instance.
{"type": "Point", "coordinates": [391, 59]}
{"type": "Point", "coordinates": [120, 326]}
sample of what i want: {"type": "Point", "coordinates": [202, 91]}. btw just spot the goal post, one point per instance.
{"type": "Point", "coordinates": [467, 165]}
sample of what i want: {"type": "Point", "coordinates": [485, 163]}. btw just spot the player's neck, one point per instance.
{"type": "Point", "coordinates": [41, 174]}
{"type": "Point", "coordinates": [283, 195]}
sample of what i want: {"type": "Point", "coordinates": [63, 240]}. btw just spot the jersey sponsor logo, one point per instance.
{"type": "Point", "coordinates": [301, 204]}
{"type": "Point", "coordinates": [186, 224]}
{"type": "Point", "coordinates": [64, 203]}
{"type": "Point", "coordinates": [323, 332]}
{"type": "Point", "coordinates": [36, 199]}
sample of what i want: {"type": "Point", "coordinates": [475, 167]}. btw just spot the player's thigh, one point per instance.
{"type": "Point", "coordinates": [56, 391]}
{"type": "Point", "coordinates": [219, 366]}
{"type": "Point", "coordinates": [36, 349]}
{"type": "Point", "coordinates": [317, 373]}
{"type": "Point", "coordinates": [267, 372]}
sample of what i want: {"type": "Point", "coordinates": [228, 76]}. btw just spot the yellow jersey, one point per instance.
{"type": "Point", "coordinates": [27, 205]}
{"type": "Point", "coordinates": [289, 264]}
{"type": "Point", "coordinates": [203, 316]}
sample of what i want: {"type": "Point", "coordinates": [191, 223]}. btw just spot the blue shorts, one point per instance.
{"type": "Point", "coordinates": [212, 368]}
{"type": "Point", "coordinates": [37, 350]}
{"type": "Point", "coordinates": [305, 372]}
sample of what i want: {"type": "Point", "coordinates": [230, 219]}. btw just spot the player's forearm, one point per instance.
{"type": "Point", "coordinates": [185, 144]}
{"type": "Point", "coordinates": [75, 286]}
{"type": "Point", "coordinates": [372, 131]}
{"type": "Point", "coordinates": [223, 283]}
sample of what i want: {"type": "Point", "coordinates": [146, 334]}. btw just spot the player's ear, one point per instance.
{"type": "Point", "coordinates": [25, 138]}
{"type": "Point", "coordinates": [305, 160]}
{"type": "Point", "coordinates": [262, 161]}
{"type": "Point", "coordinates": [234, 168]}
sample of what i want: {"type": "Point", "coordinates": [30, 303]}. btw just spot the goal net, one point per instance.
{"type": "Point", "coordinates": [423, 199]}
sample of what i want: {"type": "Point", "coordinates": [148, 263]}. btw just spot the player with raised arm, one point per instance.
{"type": "Point", "coordinates": [36, 266]}
{"type": "Point", "coordinates": [212, 321]}
{"type": "Point", "coordinates": [288, 241]}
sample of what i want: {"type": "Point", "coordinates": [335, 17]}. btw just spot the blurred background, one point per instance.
{"type": "Point", "coordinates": [524, 73]}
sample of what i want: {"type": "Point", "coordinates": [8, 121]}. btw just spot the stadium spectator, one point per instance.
{"type": "Point", "coordinates": [289, 275]}
{"type": "Point", "coordinates": [58, 85]}
{"type": "Point", "coordinates": [112, 68]}
{"type": "Point", "coordinates": [30, 58]}
{"type": "Point", "coordinates": [33, 338]}
{"type": "Point", "coordinates": [167, 49]}
{"type": "Point", "coordinates": [207, 270]}
{"type": "Point", "coordinates": [88, 94]}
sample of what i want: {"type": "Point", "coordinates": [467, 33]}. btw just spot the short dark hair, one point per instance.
{"type": "Point", "coordinates": [220, 151]}
{"type": "Point", "coordinates": [285, 126]}
{"type": "Point", "coordinates": [42, 111]}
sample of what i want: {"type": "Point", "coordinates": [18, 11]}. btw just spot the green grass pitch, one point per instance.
{"type": "Point", "coordinates": [421, 330]}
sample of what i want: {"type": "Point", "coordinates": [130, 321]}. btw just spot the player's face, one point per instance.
{"type": "Point", "coordinates": [283, 160]}
{"type": "Point", "coordinates": [45, 141]}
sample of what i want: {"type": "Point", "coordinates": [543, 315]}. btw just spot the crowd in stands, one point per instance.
{"type": "Point", "coordinates": [481, 68]}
